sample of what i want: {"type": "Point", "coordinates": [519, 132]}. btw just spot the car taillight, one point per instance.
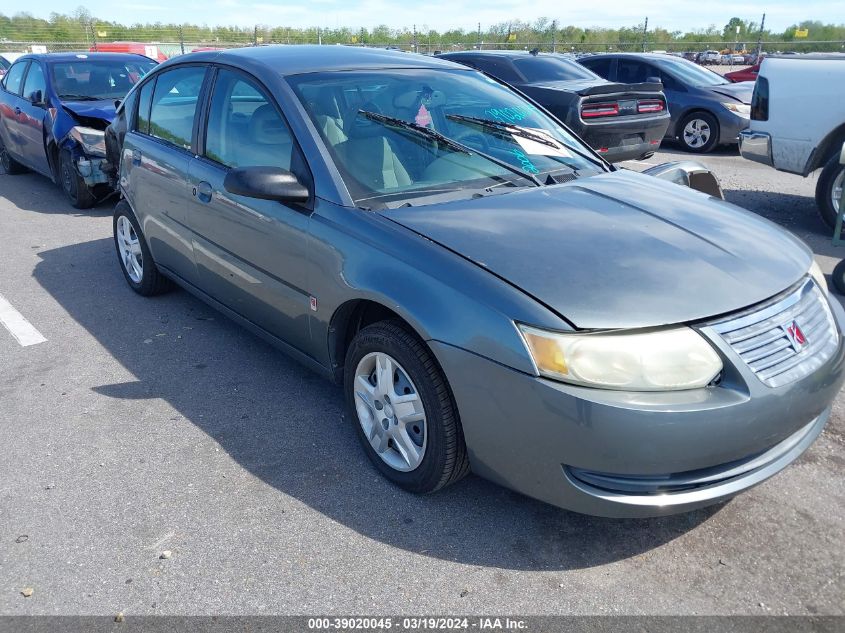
{"type": "Point", "coordinates": [650, 105]}
{"type": "Point", "coordinates": [760, 100]}
{"type": "Point", "coordinates": [592, 110]}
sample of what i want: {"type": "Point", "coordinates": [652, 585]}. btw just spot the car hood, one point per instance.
{"type": "Point", "coordinates": [740, 91]}
{"type": "Point", "coordinates": [619, 250]}
{"type": "Point", "coordinates": [103, 109]}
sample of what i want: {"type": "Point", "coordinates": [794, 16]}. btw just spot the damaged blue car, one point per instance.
{"type": "Point", "coordinates": [54, 109]}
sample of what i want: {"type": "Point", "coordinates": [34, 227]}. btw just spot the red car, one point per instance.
{"type": "Point", "coordinates": [149, 50]}
{"type": "Point", "coordinates": [745, 74]}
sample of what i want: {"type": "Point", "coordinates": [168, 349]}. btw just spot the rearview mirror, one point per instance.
{"type": "Point", "coordinates": [265, 183]}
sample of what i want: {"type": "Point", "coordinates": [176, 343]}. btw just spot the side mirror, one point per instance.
{"type": "Point", "coordinates": [688, 173]}
{"type": "Point", "coordinates": [36, 97]}
{"type": "Point", "coordinates": [654, 80]}
{"type": "Point", "coordinates": [265, 183]}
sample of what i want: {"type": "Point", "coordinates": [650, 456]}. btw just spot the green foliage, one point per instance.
{"type": "Point", "coordinates": [80, 29]}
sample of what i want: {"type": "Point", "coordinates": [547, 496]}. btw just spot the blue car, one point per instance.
{"type": "Point", "coordinates": [54, 109]}
{"type": "Point", "coordinates": [707, 110]}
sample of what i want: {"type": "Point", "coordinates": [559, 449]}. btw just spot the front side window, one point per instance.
{"type": "Point", "coordinates": [244, 127]}
{"type": "Point", "coordinates": [34, 82]}
{"type": "Point", "coordinates": [382, 164]}
{"type": "Point", "coordinates": [145, 99]}
{"type": "Point", "coordinates": [86, 79]}
{"type": "Point", "coordinates": [174, 105]}
{"type": "Point", "coordinates": [691, 74]}
{"type": "Point", "coordinates": [543, 68]}
{"type": "Point", "coordinates": [14, 78]}
{"type": "Point", "coordinates": [631, 71]}
{"type": "Point", "coordinates": [599, 66]}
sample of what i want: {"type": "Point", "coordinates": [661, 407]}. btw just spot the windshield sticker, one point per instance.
{"type": "Point", "coordinates": [525, 162]}
{"type": "Point", "coordinates": [511, 114]}
{"type": "Point", "coordinates": [423, 117]}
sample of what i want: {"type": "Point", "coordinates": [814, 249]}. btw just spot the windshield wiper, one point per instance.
{"type": "Point", "coordinates": [518, 130]}
{"type": "Point", "coordinates": [447, 142]}
{"type": "Point", "coordinates": [80, 98]}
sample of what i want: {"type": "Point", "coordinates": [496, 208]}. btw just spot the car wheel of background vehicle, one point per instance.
{"type": "Point", "coordinates": [136, 262]}
{"type": "Point", "coordinates": [699, 132]}
{"type": "Point", "coordinates": [838, 277]}
{"type": "Point", "coordinates": [829, 190]}
{"type": "Point", "coordinates": [73, 185]}
{"type": "Point", "coordinates": [403, 409]}
{"type": "Point", "coordinates": [9, 164]}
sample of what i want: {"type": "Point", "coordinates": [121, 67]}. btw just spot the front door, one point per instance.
{"type": "Point", "coordinates": [31, 118]}
{"type": "Point", "coordinates": [251, 255]}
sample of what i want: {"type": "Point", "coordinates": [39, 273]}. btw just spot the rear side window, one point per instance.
{"type": "Point", "coordinates": [631, 71]}
{"type": "Point", "coordinates": [551, 69]}
{"type": "Point", "coordinates": [174, 105]}
{"type": "Point", "coordinates": [34, 82]}
{"type": "Point", "coordinates": [244, 128]}
{"type": "Point", "coordinates": [499, 67]}
{"type": "Point", "coordinates": [599, 66]}
{"type": "Point", "coordinates": [760, 100]}
{"type": "Point", "coordinates": [14, 78]}
{"type": "Point", "coordinates": [145, 99]}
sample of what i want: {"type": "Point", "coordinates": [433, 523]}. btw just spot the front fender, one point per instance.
{"type": "Point", "coordinates": [360, 255]}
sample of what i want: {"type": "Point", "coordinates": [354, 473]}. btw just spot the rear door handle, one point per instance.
{"type": "Point", "coordinates": [136, 157]}
{"type": "Point", "coordinates": [203, 191]}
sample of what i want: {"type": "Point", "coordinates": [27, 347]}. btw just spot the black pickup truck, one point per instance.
{"type": "Point", "coordinates": [620, 121]}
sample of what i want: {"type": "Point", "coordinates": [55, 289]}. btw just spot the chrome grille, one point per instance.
{"type": "Point", "coordinates": [786, 340]}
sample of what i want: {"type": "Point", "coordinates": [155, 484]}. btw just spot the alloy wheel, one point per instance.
{"type": "Point", "coordinates": [130, 249]}
{"type": "Point", "coordinates": [390, 411]}
{"type": "Point", "coordinates": [696, 133]}
{"type": "Point", "coordinates": [836, 190]}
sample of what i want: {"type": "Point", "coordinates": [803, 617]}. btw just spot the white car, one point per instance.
{"type": "Point", "coordinates": [798, 122]}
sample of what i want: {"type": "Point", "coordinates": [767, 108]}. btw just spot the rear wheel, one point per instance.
{"type": "Point", "coordinates": [134, 256]}
{"type": "Point", "coordinates": [829, 190]}
{"type": "Point", "coordinates": [9, 164]}
{"type": "Point", "coordinates": [73, 185]}
{"type": "Point", "coordinates": [403, 409]}
{"type": "Point", "coordinates": [699, 132]}
{"type": "Point", "coordinates": [838, 277]}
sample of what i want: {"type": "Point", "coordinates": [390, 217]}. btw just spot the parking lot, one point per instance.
{"type": "Point", "coordinates": [148, 425]}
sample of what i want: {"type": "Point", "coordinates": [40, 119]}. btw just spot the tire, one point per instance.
{"type": "Point", "coordinates": [438, 436]}
{"type": "Point", "coordinates": [77, 192]}
{"type": "Point", "coordinates": [9, 164]}
{"type": "Point", "coordinates": [838, 277]}
{"type": "Point", "coordinates": [832, 178]}
{"type": "Point", "coordinates": [703, 125]}
{"type": "Point", "coordinates": [149, 281]}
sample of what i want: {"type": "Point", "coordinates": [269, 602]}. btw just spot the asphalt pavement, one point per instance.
{"type": "Point", "coordinates": [143, 426]}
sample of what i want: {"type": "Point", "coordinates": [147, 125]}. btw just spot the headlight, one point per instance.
{"type": "Point", "coordinates": [739, 108]}
{"type": "Point", "coordinates": [817, 274]}
{"type": "Point", "coordinates": [93, 141]}
{"type": "Point", "coordinates": [656, 360]}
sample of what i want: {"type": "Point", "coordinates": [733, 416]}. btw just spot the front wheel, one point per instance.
{"type": "Point", "coordinates": [829, 190]}
{"type": "Point", "coordinates": [134, 256]}
{"type": "Point", "coordinates": [77, 192]}
{"type": "Point", "coordinates": [838, 277]}
{"type": "Point", "coordinates": [403, 409]}
{"type": "Point", "coordinates": [699, 132]}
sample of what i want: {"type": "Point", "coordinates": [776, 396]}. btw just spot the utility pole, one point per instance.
{"type": "Point", "coordinates": [760, 37]}
{"type": "Point", "coordinates": [416, 49]}
{"type": "Point", "coordinates": [93, 34]}
{"type": "Point", "coordinates": [479, 36]}
{"type": "Point", "coordinates": [319, 37]}
{"type": "Point", "coordinates": [645, 30]}
{"type": "Point", "coordinates": [181, 39]}
{"type": "Point", "coordinates": [255, 36]}
{"type": "Point", "coordinates": [554, 36]}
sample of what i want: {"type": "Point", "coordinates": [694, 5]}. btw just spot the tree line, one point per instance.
{"type": "Point", "coordinates": [80, 26]}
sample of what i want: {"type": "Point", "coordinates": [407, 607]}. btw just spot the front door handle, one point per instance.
{"type": "Point", "coordinates": [136, 157]}
{"type": "Point", "coordinates": [203, 191]}
{"type": "Point", "coordinates": [17, 110]}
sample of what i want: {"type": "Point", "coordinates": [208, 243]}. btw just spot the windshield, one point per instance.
{"type": "Point", "coordinates": [88, 79]}
{"type": "Point", "coordinates": [551, 69]}
{"type": "Point", "coordinates": [383, 163]}
{"type": "Point", "coordinates": [692, 74]}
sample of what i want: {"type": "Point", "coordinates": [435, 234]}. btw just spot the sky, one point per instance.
{"type": "Point", "coordinates": [681, 15]}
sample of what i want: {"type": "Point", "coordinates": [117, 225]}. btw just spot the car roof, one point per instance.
{"type": "Point", "coordinates": [657, 56]}
{"type": "Point", "coordinates": [76, 56]}
{"type": "Point", "coordinates": [502, 53]}
{"type": "Point", "coordinates": [308, 58]}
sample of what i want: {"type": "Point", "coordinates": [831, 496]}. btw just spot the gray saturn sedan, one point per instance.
{"type": "Point", "coordinates": [491, 294]}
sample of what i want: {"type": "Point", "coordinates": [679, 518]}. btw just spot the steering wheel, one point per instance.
{"type": "Point", "coordinates": [473, 138]}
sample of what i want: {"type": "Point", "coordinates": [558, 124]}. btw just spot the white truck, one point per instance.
{"type": "Point", "coordinates": [798, 122]}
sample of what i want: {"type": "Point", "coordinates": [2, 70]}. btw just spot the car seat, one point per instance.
{"type": "Point", "coordinates": [269, 143]}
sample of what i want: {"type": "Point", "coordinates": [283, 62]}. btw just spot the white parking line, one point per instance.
{"type": "Point", "coordinates": [23, 331]}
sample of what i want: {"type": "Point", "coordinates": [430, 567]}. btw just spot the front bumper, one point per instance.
{"type": "Point", "coordinates": [730, 126]}
{"type": "Point", "coordinates": [558, 442]}
{"type": "Point", "coordinates": [756, 146]}
{"type": "Point", "coordinates": [91, 170]}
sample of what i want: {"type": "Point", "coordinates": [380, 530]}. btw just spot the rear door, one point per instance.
{"type": "Point", "coordinates": [154, 163]}
{"type": "Point", "coordinates": [10, 109]}
{"type": "Point", "coordinates": [32, 116]}
{"type": "Point", "coordinates": [251, 255]}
